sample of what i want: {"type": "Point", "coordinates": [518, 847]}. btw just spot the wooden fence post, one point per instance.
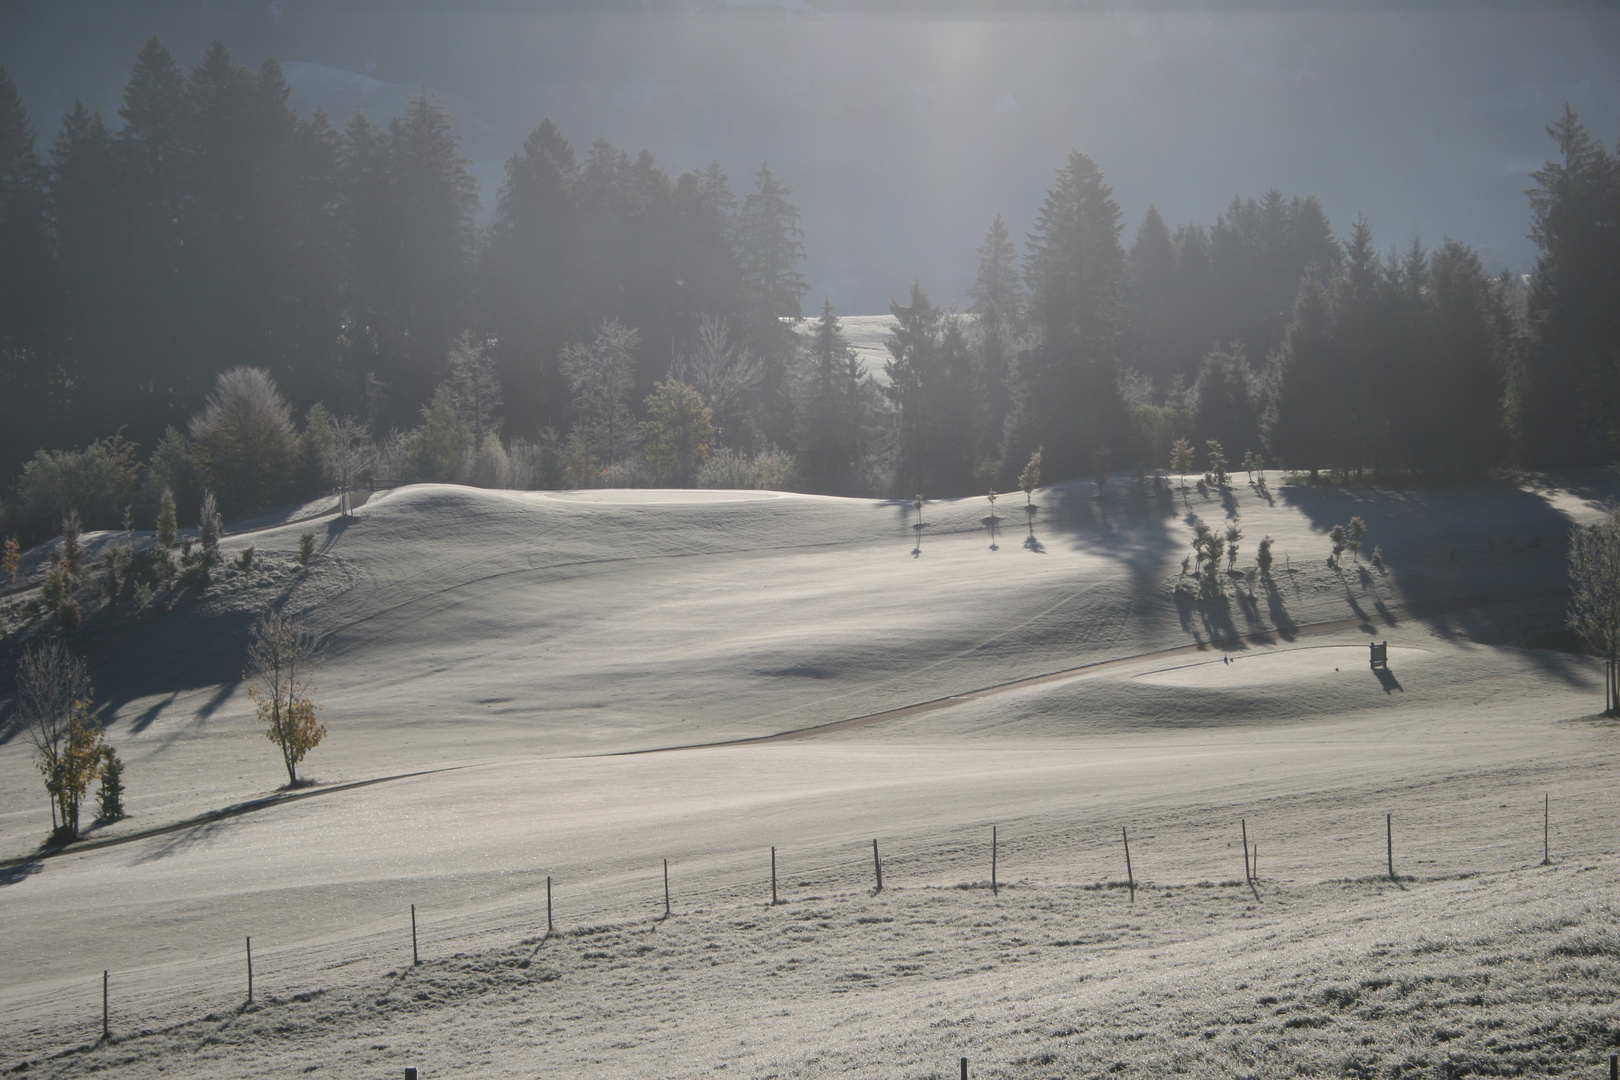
{"type": "Point", "coordinates": [416, 957]}
{"type": "Point", "coordinates": [250, 969]}
{"type": "Point", "coordinates": [1546, 825]}
{"type": "Point", "coordinates": [1247, 878]}
{"type": "Point", "coordinates": [548, 905]}
{"type": "Point", "coordinates": [106, 1030]}
{"type": "Point", "coordinates": [964, 1069]}
{"type": "Point", "coordinates": [1130, 878]}
{"type": "Point", "coordinates": [1389, 844]}
{"type": "Point", "coordinates": [773, 875]}
{"type": "Point", "coordinates": [994, 889]}
{"type": "Point", "coordinates": [877, 865]}
{"type": "Point", "coordinates": [666, 888]}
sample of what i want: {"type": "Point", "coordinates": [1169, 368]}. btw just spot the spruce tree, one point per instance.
{"type": "Point", "coordinates": [1571, 387]}
{"type": "Point", "coordinates": [829, 435]}
{"type": "Point", "coordinates": [1068, 396]}
{"type": "Point", "coordinates": [770, 248]}
{"type": "Point", "coordinates": [26, 278]}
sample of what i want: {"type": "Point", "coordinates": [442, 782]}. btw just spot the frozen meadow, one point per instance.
{"type": "Point", "coordinates": [579, 685]}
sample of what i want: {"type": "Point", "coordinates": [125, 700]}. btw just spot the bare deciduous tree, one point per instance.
{"type": "Point", "coordinates": [280, 656]}
{"type": "Point", "coordinates": [53, 694]}
{"type": "Point", "coordinates": [352, 454]}
{"type": "Point", "coordinates": [1594, 602]}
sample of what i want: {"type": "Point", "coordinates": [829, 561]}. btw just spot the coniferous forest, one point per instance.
{"type": "Point", "coordinates": [211, 294]}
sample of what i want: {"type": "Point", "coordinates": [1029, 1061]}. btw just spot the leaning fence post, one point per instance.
{"type": "Point", "coordinates": [1130, 878]}
{"type": "Point", "coordinates": [877, 865]}
{"type": "Point", "coordinates": [1247, 879]}
{"type": "Point", "coordinates": [666, 888]}
{"type": "Point", "coordinates": [250, 969]}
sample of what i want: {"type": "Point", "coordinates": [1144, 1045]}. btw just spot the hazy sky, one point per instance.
{"type": "Point", "coordinates": [902, 136]}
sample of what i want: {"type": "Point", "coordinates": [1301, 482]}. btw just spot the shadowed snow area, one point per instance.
{"type": "Point", "coordinates": [515, 652]}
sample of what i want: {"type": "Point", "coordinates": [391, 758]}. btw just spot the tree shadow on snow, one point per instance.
{"type": "Point", "coordinates": [19, 871]}
{"type": "Point", "coordinates": [1443, 559]}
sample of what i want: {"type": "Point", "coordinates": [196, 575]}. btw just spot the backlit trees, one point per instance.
{"type": "Point", "coordinates": [280, 656]}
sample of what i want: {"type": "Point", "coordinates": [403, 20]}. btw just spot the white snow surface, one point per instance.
{"type": "Point", "coordinates": [509, 655]}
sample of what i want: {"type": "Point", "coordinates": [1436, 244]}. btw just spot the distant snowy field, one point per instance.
{"type": "Point", "coordinates": [501, 652]}
{"type": "Point", "coordinates": [868, 335]}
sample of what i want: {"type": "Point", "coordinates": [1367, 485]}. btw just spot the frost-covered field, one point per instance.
{"type": "Point", "coordinates": [508, 648]}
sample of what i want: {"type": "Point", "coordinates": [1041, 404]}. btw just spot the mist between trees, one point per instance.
{"type": "Point", "coordinates": [176, 292]}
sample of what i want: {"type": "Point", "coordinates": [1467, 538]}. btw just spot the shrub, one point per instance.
{"type": "Point", "coordinates": [1262, 558]}
{"type": "Point", "coordinates": [72, 551]}
{"type": "Point", "coordinates": [306, 548]}
{"type": "Point", "coordinates": [112, 573]}
{"type": "Point", "coordinates": [440, 445]}
{"type": "Point", "coordinates": [675, 439]}
{"type": "Point", "coordinates": [1217, 463]}
{"type": "Point", "coordinates": [208, 526]}
{"type": "Point", "coordinates": [167, 523]}
{"type": "Point", "coordinates": [110, 799]}
{"type": "Point", "coordinates": [68, 616]}
{"type": "Point", "coordinates": [770, 469]}
{"type": "Point", "coordinates": [170, 469]}
{"type": "Point", "coordinates": [243, 440]}
{"type": "Point", "coordinates": [244, 561]}
{"type": "Point", "coordinates": [11, 560]}
{"type": "Point", "coordinates": [98, 481]}
{"type": "Point", "coordinates": [316, 448]}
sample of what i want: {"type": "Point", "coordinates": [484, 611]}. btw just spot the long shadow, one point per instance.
{"type": "Point", "coordinates": [10, 875]}
{"type": "Point", "coordinates": [1434, 542]}
{"type": "Point", "coordinates": [1137, 530]}
{"type": "Point", "coordinates": [145, 719]}
{"type": "Point", "coordinates": [1287, 629]}
{"type": "Point", "coordinates": [1387, 679]}
{"type": "Point", "coordinates": [186, 839]}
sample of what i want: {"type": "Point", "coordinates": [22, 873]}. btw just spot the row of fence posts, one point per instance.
{"type": "Point", "coordinates": [1251, 863]}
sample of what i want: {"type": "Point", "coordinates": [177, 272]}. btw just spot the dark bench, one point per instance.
{"type": "Point", "coordinates": [1380, 654]}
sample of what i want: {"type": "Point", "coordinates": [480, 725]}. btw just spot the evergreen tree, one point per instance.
{"type": "Point", "coordinates": [913, 347]}
{"type": "Point", "coordinates": [408, 202]}
{"type": "Point", "coordinates": [1571, 388]}
{"type": "Point", "coordinates": [154, 375]}
{"type": "Point", "coordinates": [997, 296]}
{"type": "Point", "coordinates": [88, 214]}
{"type": "Point", "coordinates": [770, 248]}
{"type": "Point", "coordinates": [1153, 313]}
{"type": "Point", "coordinates": [1069, 396]}
{"type": "Point", "coordinates": [528, 284]}
{"type": "Point", "coordinates": [830, 431]}
{"type": "Point", "coordinates": [27, 274]}
{"type": "Point", "coordinates": [1228, 399]}
{"type": "Point", "coordinates": [1304, 419]}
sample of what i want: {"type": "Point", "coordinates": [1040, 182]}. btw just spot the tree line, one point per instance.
{"type": "Point", "coordinates": [219, 294]}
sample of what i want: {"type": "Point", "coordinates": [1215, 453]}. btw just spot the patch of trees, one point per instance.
{"type": "Point", "coordinates": [217, 295]}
